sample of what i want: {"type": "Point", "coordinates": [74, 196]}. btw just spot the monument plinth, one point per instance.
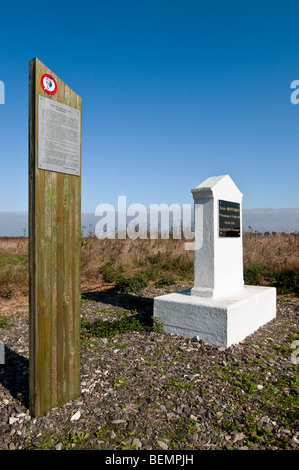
{"type": "Point", "coordinates": [218, 262]}
{"type": "Point", "coordinates": [220, 310]}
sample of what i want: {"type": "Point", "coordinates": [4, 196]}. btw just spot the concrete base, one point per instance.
{"type": "Point", "coordinates": [219, 322]}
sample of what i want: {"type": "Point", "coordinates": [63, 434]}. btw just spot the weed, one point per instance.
{"type": "Point", "coordinates": [242, 381]}
{"type": "Point", "coordinates": [286, 281]}
{"type": "Point", "coordinates": [249, 425]}
{"type": "Point", "coordinates": [181, 266]}
{"type": "Point", "coordinates": [153, 272]}
{"type": "Point", "coordinates": [3, 323]}
{"type": "Point", "coordinates": [109, 272]}
{"type": "Point", "coordinates": [253, 274]}
{"type": "Point", "coordinates": [46, 444]}
{"type": "Point", "coordinates": [12, 259]}
{"type": "Point", "coordinates": [8, 293]}
{"type": "Point", "coordinates": [154, 259]}
{"type": "Point", "coordinates": [175, 383]}
{"type": "Point", "coordinates": [126, 446]}
{"type": "Point", "coordinates": [120, 383]}
{"type": "Point", "coordinates": [105, 329]}
{"type": "Point", "coordinates": [165, 281]}
{"type": "Point", "coordinates": [158, 325]}
{"type": "Point", "coordinates": [76, 441]}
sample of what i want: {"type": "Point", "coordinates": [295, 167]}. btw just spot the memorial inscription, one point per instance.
{"type": "Point", "coordinates": [229, 219]}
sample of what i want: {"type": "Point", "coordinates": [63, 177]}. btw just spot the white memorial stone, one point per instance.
{"type": "Point", "coordinates": [220, 310]}
{"type": "Point", "coordinates": [218, 263]}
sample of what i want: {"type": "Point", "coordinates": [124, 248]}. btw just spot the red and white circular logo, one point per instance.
{"type": "Point", "coordinates": [48, 83]}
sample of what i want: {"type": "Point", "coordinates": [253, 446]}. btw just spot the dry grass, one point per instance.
{"type": "Point", "coordinates": [14, 245]}
{"type": "Point", "coordinates": [272, 251]}
{"type": "Point", "coordinates": [102, 260]}
{"type": "Point", "coordinates": [129, 256]}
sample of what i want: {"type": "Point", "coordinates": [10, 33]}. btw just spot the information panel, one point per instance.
{"type": "Point", "coordinates": [59, 137]}
{"type": "Point", "coordinates": [229, 219]}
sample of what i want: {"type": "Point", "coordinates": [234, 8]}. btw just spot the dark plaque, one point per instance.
{"type": "Point", "coordinates": [229, 219]}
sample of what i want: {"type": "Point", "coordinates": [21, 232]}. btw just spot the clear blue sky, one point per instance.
{"type": "Point", "coordinates": [174, 91]}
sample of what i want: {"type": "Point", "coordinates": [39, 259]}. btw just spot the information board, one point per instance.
{"type": "Point", "coordinates": [59, 137]}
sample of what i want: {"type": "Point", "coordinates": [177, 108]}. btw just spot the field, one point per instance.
{"type": "Point", "coordinates": [143, 389]}
{"type": "Point", "coordinates": [268, 260]}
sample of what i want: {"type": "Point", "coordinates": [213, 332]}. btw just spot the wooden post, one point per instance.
{"type": "Point", "coordinates": [54, 242]}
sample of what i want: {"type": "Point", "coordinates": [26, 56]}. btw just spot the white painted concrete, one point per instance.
{"type": "Point", "coordinates": [218, 322]}
{"type": "Point", "coordinates": [219, 309]}
{"type": "Point", "coordinates": [218, 262]}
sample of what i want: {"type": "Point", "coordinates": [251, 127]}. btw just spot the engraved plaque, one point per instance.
{"type": "Point", "coordinates": [229, 219]}
{"type": "Point", "coordinates": [59, 137]}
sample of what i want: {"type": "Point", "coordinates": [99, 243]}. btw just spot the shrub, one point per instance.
{"type": "Point", "coordinates": [253, 274]}
{"type": "Point", "coordinates": [152, 272]}
{"type": "Point", "coordinates": [165, 281]}
{"type": "Point", "coordinates": [180, 266]}
{"type": "Point", "coordinates": [154, 259]}
{"type": "Point", "coordinates": [109, 272]}
{"type": "Point", "coordinates": [287, 281]}
{"type": "Point", "coordinates": [131, 284]}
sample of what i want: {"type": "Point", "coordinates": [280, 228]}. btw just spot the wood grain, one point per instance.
{"type": "Point", "coordinates": [54, 265]}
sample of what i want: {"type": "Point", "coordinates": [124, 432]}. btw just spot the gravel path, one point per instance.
{"type": "Point", "coordinates": [148, 390]}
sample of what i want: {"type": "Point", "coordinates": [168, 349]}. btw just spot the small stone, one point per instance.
{"type": "Point", "coordinates": [76, 416]}
{"type": "Point", "coordinates": [138, 443]}
{"type": "Point", "coordinates": [186, 410]}
{"type": "Point", "coordinates": [239, 436]}
{"type": "Point", "coordinates": [260, 387]}
{"type": "Point", "coordinates": [13, 420]}
{"type": "Point", "coordinates": [171, 415]}
{"type": "Point", "coordinates": [265, 420]}
{"type": "Point", "coordinates": [163, 445]}
{"type": "Point", "coordinates": [285, 431]}
{"type": "Point", "coordinates": [58, 446]}
{"type": "Point", "coordinates": [193, 417]}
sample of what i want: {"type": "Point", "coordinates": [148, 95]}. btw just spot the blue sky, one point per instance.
{"type": "Point", "coordinates": [174, 91]}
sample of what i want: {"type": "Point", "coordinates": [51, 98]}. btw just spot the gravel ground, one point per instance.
{"type": "Point", "coordinates": [149, 390]}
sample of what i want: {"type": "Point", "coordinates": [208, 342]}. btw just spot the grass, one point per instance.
{"type": "Point", "coordinates": [131, 265]}
{"type": "Point", "coordinates": [13, 273]}
{"type": "Point", "coordinates": [130, 321]}
{"type": "Point", "coordinates": [261, 395]}
{"type": "Point", "coordinates": [3, 322]}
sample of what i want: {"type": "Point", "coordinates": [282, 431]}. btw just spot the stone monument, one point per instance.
{"type": "Point", "coordinates": [219, 310]}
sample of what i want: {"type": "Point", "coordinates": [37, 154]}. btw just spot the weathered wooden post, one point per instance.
{"type": "Point", "coordinates": [54, 240]}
